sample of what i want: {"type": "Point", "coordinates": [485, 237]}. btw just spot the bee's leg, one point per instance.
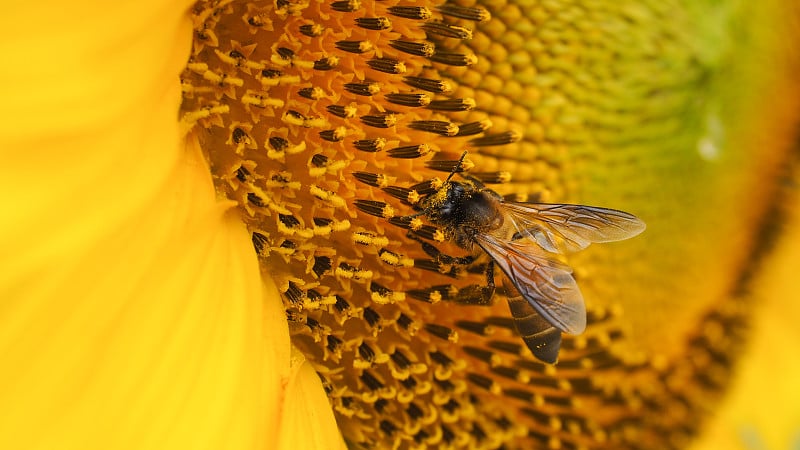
{"type": "Point", "coordinates": [490, 276]}
{"type": "Point", "coordinates": [439, 260]}
{"type": "Point", "coordinates": [459, 260]}
{"type": "Point", "coordinates": [436, 254]}
{"type": "Point", "coordinates": [473, 295]}
{"type": "Point", "coordinates": [409, 217]}
{"type": "Point", "coordinates": [427, 247]}
{"type": "Point", "coordinates": [478, 295]}
{"type": "Point", "coordinates": [488, 290]}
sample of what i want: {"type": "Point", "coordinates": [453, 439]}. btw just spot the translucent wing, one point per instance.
{"type": "Point", "coordinates": [559, 228]}
{"type": "Point", "coordinates": [547, 285]}
{"type": "Point", "coordinates": [542, 338]}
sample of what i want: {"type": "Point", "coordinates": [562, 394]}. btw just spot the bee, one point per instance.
{"type": "Point", "coordinates": [524, 240]}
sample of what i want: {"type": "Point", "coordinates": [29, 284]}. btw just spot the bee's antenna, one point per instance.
{"type": "Point", "coordinates": [457, 166]}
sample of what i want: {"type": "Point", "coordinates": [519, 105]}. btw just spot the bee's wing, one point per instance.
{"type": "Point", "coordinates": [542, 338]}
{"type": "Point", "coordinates": [547, 285]}
{"type": "Point", "coordinates": [560, 227]}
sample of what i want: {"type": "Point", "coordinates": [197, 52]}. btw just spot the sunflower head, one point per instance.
{"type": "Point", "coordinates": [334, 124]}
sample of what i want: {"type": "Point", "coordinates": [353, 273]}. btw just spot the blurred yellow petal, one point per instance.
{"type": "Point", "coordinates": [762, 411]}
{"type": "Point", "coordinates": [132, 311]}
{"type": "Point", "coordinates": [307, 420]}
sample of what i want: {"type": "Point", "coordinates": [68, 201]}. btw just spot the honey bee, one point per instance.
{"type": "Point", "coordinates": [524, 239]}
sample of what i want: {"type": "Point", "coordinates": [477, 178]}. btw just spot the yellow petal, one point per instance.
{"type": "Point", "coordinates": [762, 411]}
{"type": "Point", "coordinates": [307, 420]}
{"type": "Point", "coordinates": [132, 312]}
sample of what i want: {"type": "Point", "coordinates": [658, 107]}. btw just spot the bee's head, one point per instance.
{"type": "Point", "coordinates": [446, 205]}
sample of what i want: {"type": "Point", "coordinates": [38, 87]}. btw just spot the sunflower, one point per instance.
{"type": "Point", "coordinates": [133, 312]}
{"type": "Point", "coordinates": [232, 271]}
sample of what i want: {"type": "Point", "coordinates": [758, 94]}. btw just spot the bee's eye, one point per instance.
{"type": "Point", "coordinates": [452, 202]}
{"type": "Point", "coordinates": [456, 191]}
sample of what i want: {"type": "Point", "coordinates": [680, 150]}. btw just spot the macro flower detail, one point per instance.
{"type": "Point", "coordinates": [328, 122]}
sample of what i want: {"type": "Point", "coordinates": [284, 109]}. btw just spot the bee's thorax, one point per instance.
{"type": "Point", "coordinates": [464, 210]}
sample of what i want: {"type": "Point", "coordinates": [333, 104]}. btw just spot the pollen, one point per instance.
{"type": "Point", "coordinates": [328, 122]}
